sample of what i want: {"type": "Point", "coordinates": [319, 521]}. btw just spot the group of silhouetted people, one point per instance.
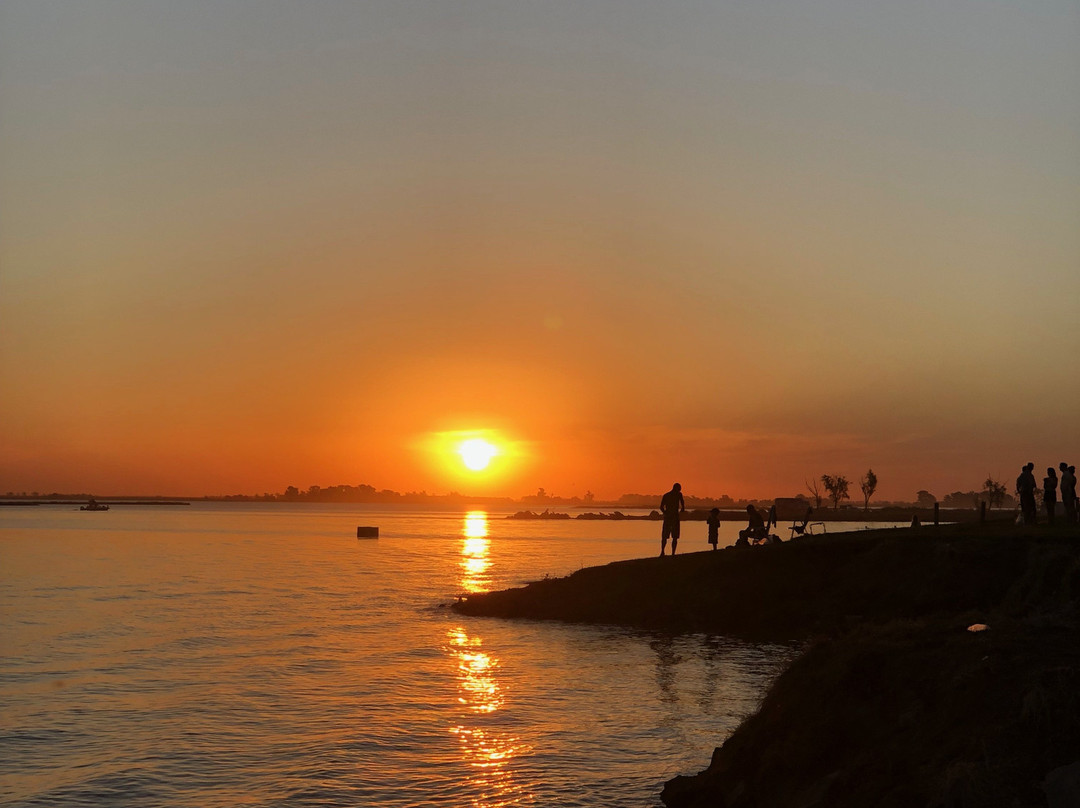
{"type": "Point", "coordinates": [1026, 486]}
{"type": "Point", "coordinates": [672, 505]}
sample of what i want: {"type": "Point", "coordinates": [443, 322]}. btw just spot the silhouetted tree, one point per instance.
{"type": "Point", "coordinates": [815, 492]}
{"type": "Point", "coordinates": [868, 484]}
{"type": "Point", "coordinates": [994, 491]}
{"type": "Point", "coordinates": [589, 496]}
{"type": "Point", "coordinates": [925, 499]}
{"type": "Point", "coordinates": [837, 487]}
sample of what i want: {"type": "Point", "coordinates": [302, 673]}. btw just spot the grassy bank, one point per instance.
{"type": "Point", "coordinates": [894, 702]}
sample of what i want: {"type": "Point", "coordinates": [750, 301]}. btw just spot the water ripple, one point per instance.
{"type": "Point", "coordinates": [263, 657]}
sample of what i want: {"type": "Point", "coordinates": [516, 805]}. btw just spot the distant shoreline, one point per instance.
{"type": "Point", "coordinates": [897, 514]}
{"type": "Point", "coordinates": [788, 507]}
{"type": "Point", "coordinates": [101, 501]}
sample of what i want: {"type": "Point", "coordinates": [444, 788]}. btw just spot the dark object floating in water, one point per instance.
{"type": "Point", "coordinates": [367, 533]}
{"type": "Point", "coordinates": [93, 505]}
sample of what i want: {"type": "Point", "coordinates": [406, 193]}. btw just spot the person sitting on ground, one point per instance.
{"type": "Point", "coordinates": [755, 529]}
{"type": "Point", "coordinates": [714, 527]}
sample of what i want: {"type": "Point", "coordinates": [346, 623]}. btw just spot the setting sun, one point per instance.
{"type": "Point", "coordinates": [479, 461]}
{"type": "Point", "coordinates": [476, 453]}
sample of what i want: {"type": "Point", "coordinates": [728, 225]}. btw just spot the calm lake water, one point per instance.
{"type": "Point", "coordinates": [260, 655]}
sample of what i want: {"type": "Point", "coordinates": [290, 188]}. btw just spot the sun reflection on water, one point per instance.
{"type": "Point", "coordinates": [487, 752]}
{"type": "Point", "coordinates": [474, 553]}
{"type": "Point", "coordinates": [476, 674]}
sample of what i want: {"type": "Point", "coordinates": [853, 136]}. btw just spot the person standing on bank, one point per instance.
{"type": "Point", "coordinates": [714, 527]}
{"type": "Point", "coordinates": [671, 505]}
{"type": "Point", "coordinates": [1025, 487]}
{"type": "Point", "coordinates": [1068, 492]}
{"type": "Point", "coordinates": [1050, 485]}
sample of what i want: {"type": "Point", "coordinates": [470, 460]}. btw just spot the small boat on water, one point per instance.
{"type": "Point", "coordinates": [93, 505]}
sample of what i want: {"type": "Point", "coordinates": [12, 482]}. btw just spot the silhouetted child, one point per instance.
{"type": "Point", "coordinates": [714, 527]}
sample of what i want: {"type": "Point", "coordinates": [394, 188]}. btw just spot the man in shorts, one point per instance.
{"type": "Point", "coordinates": [671, 505]}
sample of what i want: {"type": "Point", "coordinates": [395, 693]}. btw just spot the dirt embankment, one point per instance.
{"type": "Point", "coordinates": [895, 702]}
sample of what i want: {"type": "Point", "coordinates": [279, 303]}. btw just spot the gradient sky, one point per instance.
{"type": "Point", "coordinates": [245, 245]}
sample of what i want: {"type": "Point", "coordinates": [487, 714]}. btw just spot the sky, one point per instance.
{"type": "Point", "coordinates": [247, 244]}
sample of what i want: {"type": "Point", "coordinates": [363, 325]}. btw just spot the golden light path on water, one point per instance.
{"type": "Point", "coordinates": [474, 553]}
{"type": "Point", "coordinates": [487, 752]}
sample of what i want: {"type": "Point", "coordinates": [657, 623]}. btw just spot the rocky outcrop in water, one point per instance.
{"type": "Point", "coordinates": [546, 514]}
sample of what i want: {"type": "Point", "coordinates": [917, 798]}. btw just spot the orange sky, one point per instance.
{"type": "Point", "coordinates": [250, 246]}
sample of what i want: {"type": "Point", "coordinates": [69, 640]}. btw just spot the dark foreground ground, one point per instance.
{"type": "Point", "coordinates": [894, 702]}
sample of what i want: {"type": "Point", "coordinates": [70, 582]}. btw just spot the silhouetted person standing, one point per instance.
{"type": "Point", "coordinates": [714, 527]}
{"type": "Point", "coordinates": [1050, 485]}
{"type": "Point", "coordinates": [671, 505]}
{"type": "Point", "coordinates": [1025, 487]}
{"type": "Point", "coordinates": [1068, 492]}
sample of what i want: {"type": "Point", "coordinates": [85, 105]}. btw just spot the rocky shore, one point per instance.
{"type": "Point", "coordinates": [894, 702]}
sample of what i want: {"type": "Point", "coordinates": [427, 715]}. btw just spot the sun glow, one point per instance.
{"type": "Point", "coordinates": [476, 453]}
{"type": "Point", "coordinates": [481, 462]}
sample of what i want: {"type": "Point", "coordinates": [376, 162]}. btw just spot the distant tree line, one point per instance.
{"type": "Point", "coordinates": [993, 493]}
{"type": "Point", "coordinates": [542, 497]}
{"type": "Point", "coordinates": [360, 494]}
